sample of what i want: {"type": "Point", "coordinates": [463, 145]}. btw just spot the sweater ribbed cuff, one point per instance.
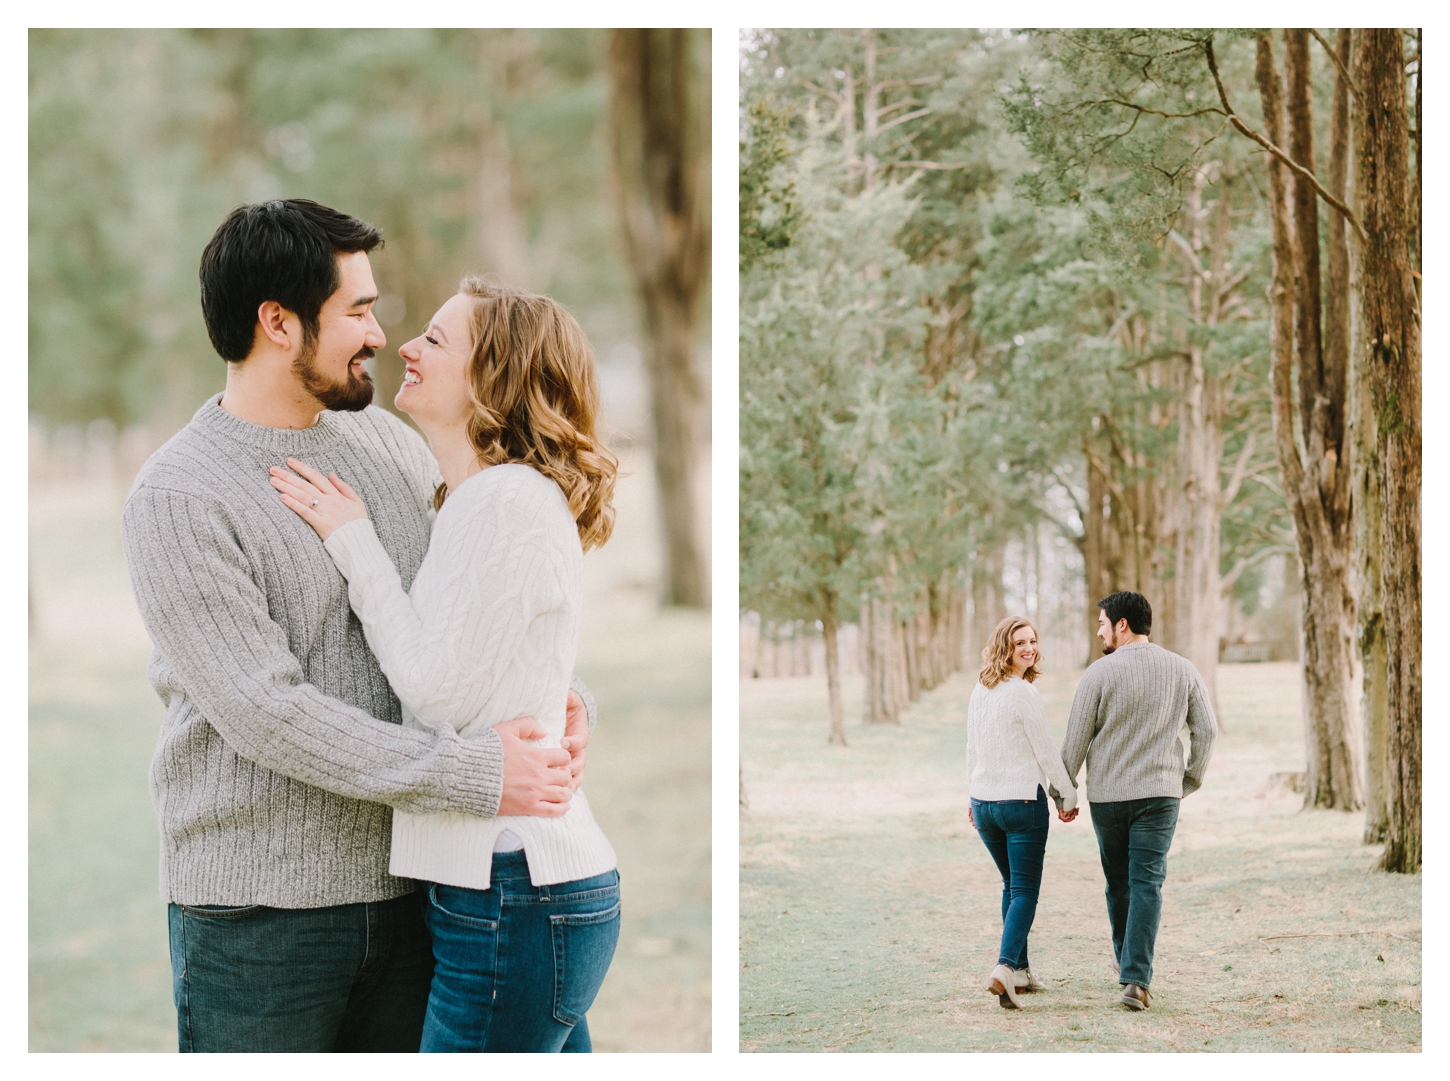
{"type": "Point", "coordinates": [478, 788]}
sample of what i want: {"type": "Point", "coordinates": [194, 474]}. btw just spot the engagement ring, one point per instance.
{"type": "Point", "coordinates": [312, 503]}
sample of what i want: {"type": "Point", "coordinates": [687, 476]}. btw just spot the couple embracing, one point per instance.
{"type": "Point", "coordinates": [372, 832]}
{"type": "Point", "coordinates": [1126, 717]}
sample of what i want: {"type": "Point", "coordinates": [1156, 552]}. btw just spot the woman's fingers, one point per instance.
{"type": "Point", "coordinates": [291, 482]}
{"type": "Point", "coordinates": [303, 469]}
{"type": "Point", "coordinates": [306, 513]}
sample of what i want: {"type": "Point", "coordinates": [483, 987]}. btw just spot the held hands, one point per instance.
{"type": "Point", "coordinates": [324, 503]}
{"type": "Point", "coordinates": [1066, 816]}
{"type": "Point", "coordinates": [536, 780]}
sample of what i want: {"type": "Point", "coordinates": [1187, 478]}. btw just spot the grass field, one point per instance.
{"type": "Point", "coordinates": [100, 978]}
{"type": "Point", "coordinates": [870, 910]}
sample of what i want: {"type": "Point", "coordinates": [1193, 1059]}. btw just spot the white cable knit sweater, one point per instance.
{"type": "Point", "coordinates": [1009, 751]}
{"type": "Point", "coordinates": [487, 633]}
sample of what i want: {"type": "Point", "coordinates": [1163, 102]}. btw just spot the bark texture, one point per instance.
{"type": "Point", "coordinates": [660, 128]}
{"type": "Point", "coordinates": [1311, 446]}
{"type": "Point", "coordinates": [1389, 309]}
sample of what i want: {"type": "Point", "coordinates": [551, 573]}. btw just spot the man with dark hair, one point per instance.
{"type": "Point", "coordinates": [1125, 721]}
{"type": "Point", "coordinates": [282, 753]}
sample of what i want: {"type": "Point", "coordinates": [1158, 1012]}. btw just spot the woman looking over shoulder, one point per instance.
{"type": "Point", "coordinates": [523, 909]}
{"type": "Point", "coordinates": [1010, 757]}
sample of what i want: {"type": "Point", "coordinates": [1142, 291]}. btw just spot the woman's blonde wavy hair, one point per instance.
{"type": "Point", "coordinates": [535, 394]}
{"type": "Point", "coordinates": [997, 655]}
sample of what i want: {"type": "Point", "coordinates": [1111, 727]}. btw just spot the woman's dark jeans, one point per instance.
{"type": "Point", "coordinates": [518, 965]}
{"type": "Point", "coordinates": [1133, 840]}
{"type": "Point", "coordinates": [1015, 833]}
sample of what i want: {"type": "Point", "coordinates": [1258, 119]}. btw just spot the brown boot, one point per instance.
{"type": "Point", "coordinates": [1135, 997]}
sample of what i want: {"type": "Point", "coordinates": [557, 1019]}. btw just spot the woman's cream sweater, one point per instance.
{"type": "Point", "coordinates": [487, 633]}
{"type": "Point", "coordinates": [1009, 751]}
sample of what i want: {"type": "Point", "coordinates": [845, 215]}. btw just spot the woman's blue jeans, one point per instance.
{"type": "Point", "coordinates": [518, 965]}
{"type": "Point", "coordinates": [1015, 833]}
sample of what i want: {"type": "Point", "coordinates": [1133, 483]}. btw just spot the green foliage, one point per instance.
{"type": "Point", "coordinates": [1118, 121]}
{"type": "Point", "coordinates": [917, 389]}
{"type": "Point", "coordinates": [768, 212]}
{"type": "Point", "coordinates": [142, 141]}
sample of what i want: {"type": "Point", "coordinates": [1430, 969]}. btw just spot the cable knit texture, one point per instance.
{"type": "Point", "coordinates": [281, 751]}
{"type": "Point", "coordinates": [1126, 717]}
{"type": "Point", "coordinates": [1009, 750]}
{"type": "Point", "coordinates": [487, 632]}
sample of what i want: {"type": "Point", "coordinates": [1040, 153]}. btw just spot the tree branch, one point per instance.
{"type": "Point", "coordinates": [1298, 169]}
{"type": "Point", "coordinates": [1348, 79]}
{"type": "Point", "coordinates": [901, 120]}
{"type": "Point", "coordinates": [926, 164]}
{"type": "Point", "coordinates": [1226, 582]}
{"type": "Point", "coordinates": [1154, 112]}
{"type": "Point", "coordinates": [1240, 467]}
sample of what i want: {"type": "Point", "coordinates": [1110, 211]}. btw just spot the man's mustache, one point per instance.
{"type": "Point", "coordinates": [364, 354]}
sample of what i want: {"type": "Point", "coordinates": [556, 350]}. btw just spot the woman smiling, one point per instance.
{"type": "Point", "coordinates": [1010, 757]}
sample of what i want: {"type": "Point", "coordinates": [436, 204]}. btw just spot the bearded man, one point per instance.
{"type": "Point", "coordinates": [282, 754]}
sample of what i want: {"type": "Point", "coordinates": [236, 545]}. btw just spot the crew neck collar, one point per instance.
{"type": "Point", "coordinates": [214, 418]}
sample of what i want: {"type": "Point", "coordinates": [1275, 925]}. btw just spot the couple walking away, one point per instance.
{"type": "Point", "coordinates": [372, 832]}
{"type": "Point", "coordinates": [1126, 717]}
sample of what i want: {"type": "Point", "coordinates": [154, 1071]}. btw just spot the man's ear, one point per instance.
{"type": "Point", "coordinates": [274, 321]}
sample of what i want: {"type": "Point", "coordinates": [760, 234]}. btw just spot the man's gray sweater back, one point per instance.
{"type": "Point", "coordinates": [1126, 716]}
{"type": "Point", "coordinates": [282, 750]}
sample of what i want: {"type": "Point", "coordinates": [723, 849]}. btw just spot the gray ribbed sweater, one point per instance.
{"type": "Point", "coordinates": [1125, 719]}
{"type": "Point", "coordinates": [282, 752]}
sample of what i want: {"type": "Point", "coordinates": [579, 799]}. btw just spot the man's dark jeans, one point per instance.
{"type": "Point", "coordinates": [341, 978]}
{"type": "Point", "coordinates": [1133, 840]}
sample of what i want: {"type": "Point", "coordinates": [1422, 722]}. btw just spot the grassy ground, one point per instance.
{"type": "Point", "coordinates": [100, 978]}
{"type": "Point", "coordinates": [870, 912]}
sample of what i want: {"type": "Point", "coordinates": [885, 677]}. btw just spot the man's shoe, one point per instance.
{"type": "Point", "coordinates": [1003, 983]}
{"type": "Point", "coordinates": [1135, 997]}
{"type": "Point", "coordinates": [1028, 982]}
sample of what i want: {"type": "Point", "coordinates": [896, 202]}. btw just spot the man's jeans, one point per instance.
{"type": "Point", "coordinates": [1015, 833]}
{"type": "Point", "coordinates": [518, 964]}
{"type": "Point", "coordinates": [1133, 840]}
{"type": "Point", "coordinates": [342, 978]}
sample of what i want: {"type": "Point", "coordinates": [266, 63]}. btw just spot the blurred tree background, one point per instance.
{"type": "Point", "coordinates": [475, 151]}
{"type": "Point", "coordinates": [1025, 320]}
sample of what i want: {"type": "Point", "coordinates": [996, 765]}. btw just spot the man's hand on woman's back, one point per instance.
{"type": "Point", "coordinates": [536, 780]}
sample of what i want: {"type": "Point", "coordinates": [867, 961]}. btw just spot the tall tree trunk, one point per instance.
{"type": "Point", "coordinates": [1199, 502]}
{"type": "Point", "coordinates": [1094, 556]}
{"type": "Point", "coordinates": [660, 120]}
{"type": "Point", "coordinates": [1364, 461]}
{"type": "Point", "coordinates": [829, 628]}
{"type": "Point", "coordinates": [1390, 311]}
{"type": "Point", "coordinates": [1317, 489]}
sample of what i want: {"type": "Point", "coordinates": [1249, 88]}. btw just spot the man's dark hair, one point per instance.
{"type": "Point", "coordinates": [285, 250]}
{"type": "Point", "coordinates": [1133, 607]}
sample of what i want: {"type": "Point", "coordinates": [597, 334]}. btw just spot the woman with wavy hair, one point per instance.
{"type": "Point", "coordinates": [1010, 758]}
{"type": "Point", "coordinates": [523, 910]}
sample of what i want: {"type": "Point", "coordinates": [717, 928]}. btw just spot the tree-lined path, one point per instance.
{"type": "Point", "coordinates": [870, 910]}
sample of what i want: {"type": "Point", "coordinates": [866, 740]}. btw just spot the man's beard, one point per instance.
{"type": "Point", "coordinates": [1108, 649]}
{"type": "Point", "coordinates": [349, 395]}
